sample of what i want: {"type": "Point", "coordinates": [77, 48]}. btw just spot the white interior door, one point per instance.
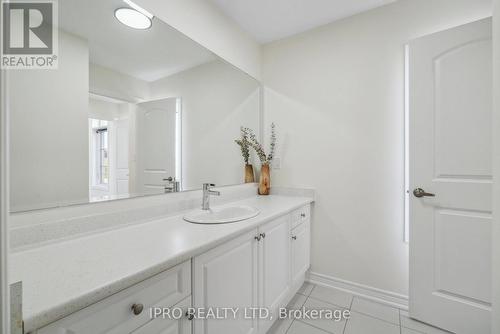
{"type": "Point", "coordinates": [156, 144]}
{"type": "Point", "coordinates": [450, 152]}
{"type": "Point", "coordinates": [122, 156]}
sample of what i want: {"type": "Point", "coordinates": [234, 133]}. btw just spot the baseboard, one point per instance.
{"type": "Point", "coordinates": [382, 296]}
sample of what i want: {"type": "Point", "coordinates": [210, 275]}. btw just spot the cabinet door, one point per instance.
{"type": "Point", "coordinates": [301, 245]}
{"type": "Point", "coordinates": [274, 267]}
{"type": "Point", "coordinates": [224, 277]}
{"type": "Point", "coordinates": [169, 326]}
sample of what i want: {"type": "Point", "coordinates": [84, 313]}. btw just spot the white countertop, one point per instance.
{"type": "Point", "coordinates": [64, 277]}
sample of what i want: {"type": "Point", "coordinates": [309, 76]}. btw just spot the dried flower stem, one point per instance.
{"type": "Point", "coordinates": [244, 145]}
{"type": "Point", "coordinates": [254, 143]}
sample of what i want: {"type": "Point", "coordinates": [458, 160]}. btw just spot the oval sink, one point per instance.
{"type": "Point", "coordinates": [221, 214]}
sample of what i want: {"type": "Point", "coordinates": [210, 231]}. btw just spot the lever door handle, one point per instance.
{"type": "Point", "coordinates": [419, 193]}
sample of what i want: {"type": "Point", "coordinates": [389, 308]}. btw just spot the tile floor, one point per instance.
{"type": "Point", "coordinates": [367, 317]}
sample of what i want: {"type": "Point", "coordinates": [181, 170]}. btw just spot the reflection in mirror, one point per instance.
{"type": "Point", "coordinates": [128, 112]}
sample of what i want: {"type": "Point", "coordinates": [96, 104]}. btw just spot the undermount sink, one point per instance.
{"type": "Point", "coordinates": [221, 214]}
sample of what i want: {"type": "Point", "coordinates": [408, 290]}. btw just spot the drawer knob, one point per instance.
{"type": "Point", "coordinates": [303, 215]}
{"type": "Point", "coordinates": [190, 316]}
{"type": "Point", "coordinates": [137, 308]}
{"type": "Point", "coordinates": [294, 237]}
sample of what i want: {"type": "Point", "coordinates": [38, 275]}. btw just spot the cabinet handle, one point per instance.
{"type": "Point", "coordinates": [294, 237]}
{"type": "Point", "coordinates": [137, 308]}
{"type": "Point", "coordinates": [263, 235]}
{"type": "Point", "coordinates": [258, 238]}
{"type": "Point", "coordinates": [190, 316]}
{"type": "Point", "coordinates": [303, 215]}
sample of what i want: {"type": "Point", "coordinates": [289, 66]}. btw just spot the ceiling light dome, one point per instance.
{"type": "Point", "coordinates": [133, 18]}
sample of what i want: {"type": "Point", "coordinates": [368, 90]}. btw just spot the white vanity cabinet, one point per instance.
{"type": "Point", "coordinates": [274, 267]}
{"type": "Point", "coordinates": [226, 276]}
{"type": "Point", "coordinates": [262, 268]}
{"type": "Point", "coordinates": [129, 309]}
{"type": "Point", "coordinates": [301, 249]}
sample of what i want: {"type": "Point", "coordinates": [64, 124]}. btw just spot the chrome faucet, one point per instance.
{"type": "Point", "coordinates": [173, 186]}
{"type": "Point", "coordinates": [205, 205]}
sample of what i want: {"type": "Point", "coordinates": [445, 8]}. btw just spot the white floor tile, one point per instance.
{"type": "Point", "coordinates": [332, 296]}
{"type": "Point", "coordinates": [376, 310]}
{"type": "Point", "coordinates": [306, 289]}
{"type": "Point", "coordinates": [363, 324]}
{"type": "Point", "coordinates": [329, 325]}
{"type": "Point", "coordinates": [418, 326]}
{"type": "Point", "coordinates": [302, 328]}
{"type": "Point", "coordinates": [282, 325]}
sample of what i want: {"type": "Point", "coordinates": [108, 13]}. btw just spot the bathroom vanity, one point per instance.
{"type": "Point", "coordinates": [106, 282]}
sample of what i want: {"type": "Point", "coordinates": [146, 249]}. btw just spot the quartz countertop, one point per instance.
{"type": "Point", "coordinates": [63, 277]}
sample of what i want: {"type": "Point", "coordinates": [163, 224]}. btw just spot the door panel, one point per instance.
{"type": "Point", "coordinates": [463, 111]}
{"type": "Point", "coordinates": [122, 156]}
{"type": "Point", "coordinates": [450, 153]}
{"type": "Point", "coordinates": [274, 266]}
{"type": "Point", "coordinates": [458, 265]}
{"type": "Point", "coordinates": [227, 277]}
{"type": "Point", "coordinates": [301, 244]}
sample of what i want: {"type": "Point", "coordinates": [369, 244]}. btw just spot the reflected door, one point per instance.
{"type": "Point", "coordinates": [156, 136]}
{"type": "Point", "coordinates": [122, 156]}
{"type": "Point", "coordinates": [450, 234]}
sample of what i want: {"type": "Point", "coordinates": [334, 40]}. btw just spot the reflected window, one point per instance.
{"type": "Point", "coordinates": [100, 152]}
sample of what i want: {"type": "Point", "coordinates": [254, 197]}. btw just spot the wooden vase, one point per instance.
{"type": "Point", "coordinates": [249, 176]}
{"type": "Point", "coordinates": [264, 180]}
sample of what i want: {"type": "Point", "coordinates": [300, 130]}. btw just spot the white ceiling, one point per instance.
{"type": "Point", "coordinates": [144, 54]}
{"type": "Point", "coordinates": [269, 20]}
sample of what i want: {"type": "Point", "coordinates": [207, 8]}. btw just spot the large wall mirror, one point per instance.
{"type": "Point", "coordinates": [128, 112]}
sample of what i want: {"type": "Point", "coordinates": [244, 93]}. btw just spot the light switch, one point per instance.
{"type": "Point", "coordinates": [277, 163]}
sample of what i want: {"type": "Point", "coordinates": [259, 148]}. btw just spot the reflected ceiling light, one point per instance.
{"type": "Point", "coordinates": [135, 17]}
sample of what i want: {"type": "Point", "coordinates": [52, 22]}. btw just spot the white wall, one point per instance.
{"type": "Point", "coordinates": [336, 94]}
{"type": "Point", "coordinates": [216, 100]}
{"type": "Point", "coordinates": [496, 169]}
{"type": "Point", "coordinates": [106, 82]}
{"type": "Point", "coordinates": [206, 24]}
{"type": "Point", "coordinates": [4, 206]}
{"type": "Point", "coordinates": [49, 131]}
{"type": "Point", "coordinates": [104, 110]}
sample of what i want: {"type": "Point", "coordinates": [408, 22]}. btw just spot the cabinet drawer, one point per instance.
{"type": "Point", "coordinates": [169, 326]}
{"type": "Point", "coordinates": [115, 313]}
{"type": "Point", "coordinates": [300, 215]}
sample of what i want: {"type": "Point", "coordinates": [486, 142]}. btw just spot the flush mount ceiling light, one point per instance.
{"type": "Point", "coordinates": [134, 17]}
